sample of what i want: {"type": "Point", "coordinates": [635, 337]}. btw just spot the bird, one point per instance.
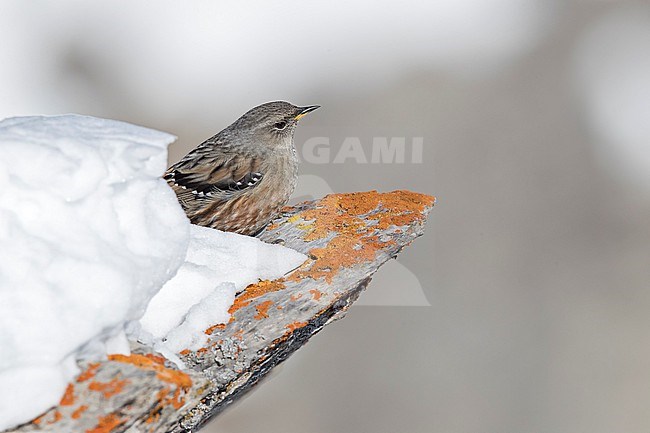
{"type": "Point", "coordinates": [239, 179]}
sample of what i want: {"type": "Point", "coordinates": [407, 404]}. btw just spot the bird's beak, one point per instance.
{"type": "Point", "coordinates": [304, 110]}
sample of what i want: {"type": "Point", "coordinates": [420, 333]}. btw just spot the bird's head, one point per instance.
{"type": "Point", "coordinates": [273, 123]}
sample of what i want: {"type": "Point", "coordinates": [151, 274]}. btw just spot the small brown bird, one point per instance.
{"type": "Point", "coordinates": [239, 179]}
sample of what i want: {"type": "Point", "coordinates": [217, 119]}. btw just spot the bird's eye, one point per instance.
{"type": "Point", "coordinates": [280, 126]}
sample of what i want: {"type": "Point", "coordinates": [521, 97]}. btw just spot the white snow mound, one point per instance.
{"type": "Point", "coordinates": [218, 265]}
{"type": "Point", "coordinates": [89, 232]}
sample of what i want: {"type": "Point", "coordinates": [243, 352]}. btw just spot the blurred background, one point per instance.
{"type": "Point", "coordinates": [526, 305]}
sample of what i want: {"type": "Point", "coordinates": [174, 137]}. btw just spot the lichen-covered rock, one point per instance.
{"type": "Point", "coordinates": [346, 237]}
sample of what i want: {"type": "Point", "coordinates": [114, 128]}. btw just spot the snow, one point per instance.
{"type": "Point", "coordinates": [89, 233]}
{"type": "Point", "coordinates": [217, 266]}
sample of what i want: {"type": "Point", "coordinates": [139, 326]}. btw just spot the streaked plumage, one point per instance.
{"type": "Point", "coordinates": [240, 178]}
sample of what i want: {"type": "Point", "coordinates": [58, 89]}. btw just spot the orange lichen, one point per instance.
{"type": "Point", "coordinates": [154, 416]}
{"type": "Point", "coordinates": [262, 310]}
{"type": "Point", "coordinates": [177, 400]}
{"type": "Point", "coordinates": [163, 393]}
{"type": "Point", "coordinates": [355, 241]}
{"type": "Point", "coordinates": [185, 352]}
{"type": "Point", "coordinates": [255, 291]}
{"type": "Point", "coordinates": [316, 294]}
{"type": "Point", "coordinates": [403, 209]}
{"type": "Point", "coordinates": [341, 212]}
{"type": "Point", "coordinates": [49, 417]}
{"type": "Point", "coordinates": [296, 296]}
{"type": "Point", "coordinates": [108, 389]}
{"type": "Point", "coordinates": [239, 334]}
{"type": "Point", "coordinates": [106, 424]}
{"type": "Point", "coordinates": [213, 328]}
{"type": "Point", "coordinates": [56, 418]}
{"type": "Point", "coordinates": [295, 325]}
{"type": "Point", "coordinates": [165, 397]}
{"type": "Point", "coordinates": [181, 380]}
{"type": "Point", "coordinates": [340, 252]}
{"type": "Point", "coordinates": [89, 373]}
{"type": "Point", "coordinates": [80, 410]}
{"type": "Point", "coordinates": [163, 373]}
{"type": "Point", "coordinates": [68, 396]}
{"type": "Point", "coordinates": [155, 358]}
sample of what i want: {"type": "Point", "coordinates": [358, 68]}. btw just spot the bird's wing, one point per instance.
{"type": "Point", "coordinates": [216, 175]}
